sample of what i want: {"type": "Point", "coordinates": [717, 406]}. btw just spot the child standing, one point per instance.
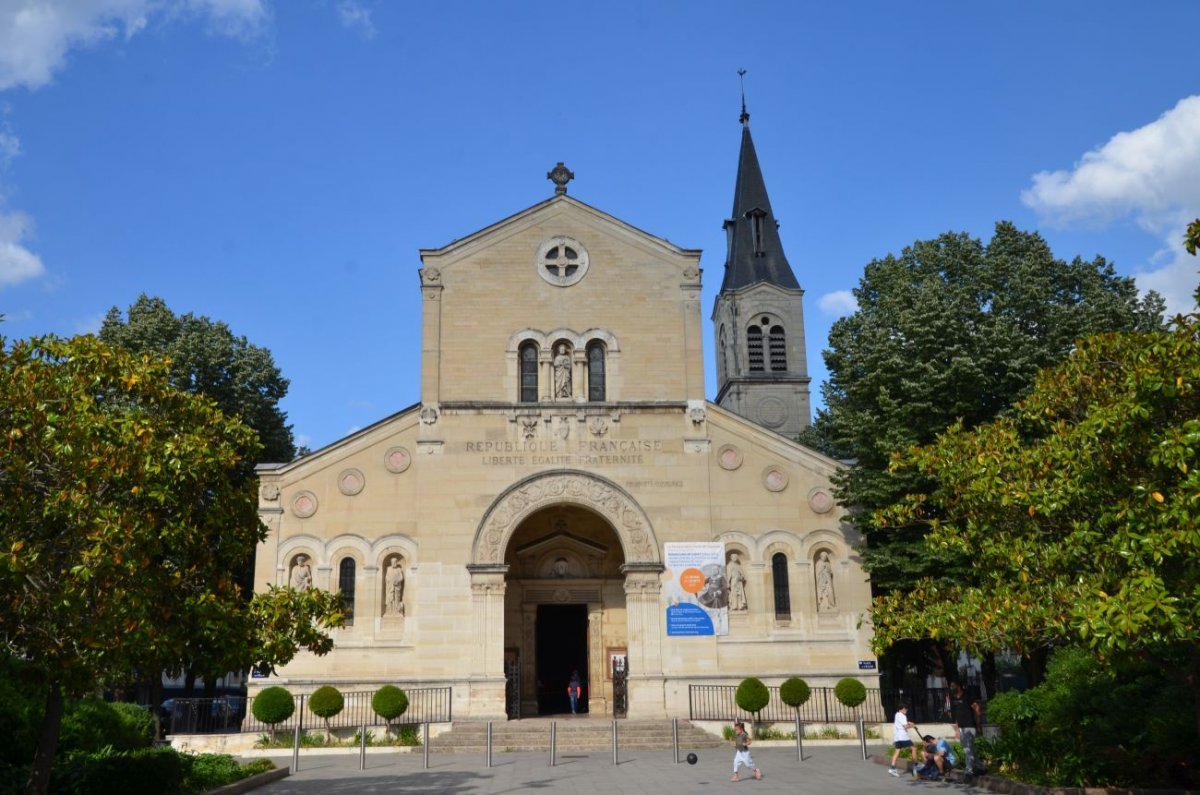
{"type": "Point", "coordinates": [741, 751]}
{"type": "Point", "coordinates": [900, 738]}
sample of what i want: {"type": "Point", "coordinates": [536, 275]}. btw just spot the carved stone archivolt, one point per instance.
{"type": "Point", "coordinates": [570, 487]}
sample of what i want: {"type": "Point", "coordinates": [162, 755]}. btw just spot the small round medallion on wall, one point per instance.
{"type": "Point", "coordinates": [397, 459]}
{"type": "Point", "coordinates": [351, 482]}
{"type": "Point", "coordinates": [820, 500]}
{"type": "Point", "coordinates": [772, 411]}
{"type": "Point", "coordinates": [562, 261]}
{"type": "Point", "coordinates": [729, 457]}
{"type": "Point", "coordinates": [304, 504]}
{"type": "Point", "coordinates": [774, 479]}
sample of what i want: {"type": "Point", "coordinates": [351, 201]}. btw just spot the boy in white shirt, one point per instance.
{"type": "Point", "coordinates": [900, 738]}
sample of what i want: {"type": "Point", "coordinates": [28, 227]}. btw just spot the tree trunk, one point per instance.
{"type": "Point", "coordinates": [989, 675]}
{"type": "Point", "coordinates": [210, 685]}
{"type": "Point", "coordinates": [156, 699]}
{"type": "Point", "coordinates": [43, 758]}
{"type": "Point", "coordinates": [189, 683]}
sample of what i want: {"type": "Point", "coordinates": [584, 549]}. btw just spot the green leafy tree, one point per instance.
{"type": "Point", "coordinates": [1079, 510]}
{"type": "Point", "coordinates": [207, 358]}
{"type": "Point", "coordinates": [850, 692]}
{"type": "Point", "coordinates": [120, 518]}
{"type": "Point", "coordinates": [1191, 239]}
{"type": "Point", "coordinates": [794, 692]}
{"type": "Point", "coordinates": [951, 329]}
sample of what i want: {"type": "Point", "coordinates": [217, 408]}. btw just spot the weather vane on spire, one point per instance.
{"type": "Point", "coordinates": [745, 117]}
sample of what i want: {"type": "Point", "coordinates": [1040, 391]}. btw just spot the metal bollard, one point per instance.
{"type": "Point", "coordinates": [489, 744]}
{"type": "Point", "coordinates": [799, 738]}
{"type": "Point", "coordinates": [675, 737]}
{"type": "Point", "coordinates": [296, 750]}
{"type": "Point", "coordinates": [862, 738]}
{"type": "Point", "coordinates": [614, 741]}
{"type": "Point", "coordinates": [553, 742]}
{"type": "Point", "coordinates": [362, 748]}
{"type": "Point", "coordinates": [425, 742]}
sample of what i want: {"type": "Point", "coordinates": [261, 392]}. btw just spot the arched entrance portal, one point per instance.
{"type": "Point", "coordinates": [566, 539]}
{"type": "Point", "coordinates": [564, 607]}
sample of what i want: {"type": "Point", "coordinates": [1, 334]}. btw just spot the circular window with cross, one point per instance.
{"type": "Point", "coordinates": [562, 261]}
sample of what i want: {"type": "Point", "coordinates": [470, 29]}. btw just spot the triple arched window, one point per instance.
{"type": "Point", "coordinates": [553, 376]}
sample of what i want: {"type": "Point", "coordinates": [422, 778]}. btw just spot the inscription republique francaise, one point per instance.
{"type": "Point", "coordinates": [586, 452]}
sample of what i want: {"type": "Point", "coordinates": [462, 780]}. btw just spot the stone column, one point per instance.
{"type": "Point", "coordinates": [578, 368]}
{"type": "Point", "coordinates": [487, 641]}
{"type": "Point", "coordinates": [529, 704]}
{"type": "Point", "coordinates": [597, 669]}
{"type": "Point", "coordinates": [644, 616]}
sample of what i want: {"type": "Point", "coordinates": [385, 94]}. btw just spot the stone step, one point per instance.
{"type": "Point", "coordinates": [571, 735]}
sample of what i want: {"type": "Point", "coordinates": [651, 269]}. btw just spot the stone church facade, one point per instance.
{"type": "Point", "coordinates": [517, 519]}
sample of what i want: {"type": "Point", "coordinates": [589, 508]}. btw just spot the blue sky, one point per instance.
{"type": "Point", "coordinates": [277, 165]}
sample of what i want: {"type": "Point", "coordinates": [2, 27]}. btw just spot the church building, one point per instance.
{"type": "Point", "coordinates": [565, 499]}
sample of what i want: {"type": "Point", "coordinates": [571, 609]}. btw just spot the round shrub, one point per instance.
{"type": "Point", "coordinates": [389, 702]}
{"type": "Point", "coordinates": [273, 705]}
{"type": "Point", "coordinates": [850, 692]}
{"type": "Point", "coordinates": [752, 695]}
{"type": "Point", "coordinates": [325, 702]}
{"type": "Point", "coordinates": [794, 692]}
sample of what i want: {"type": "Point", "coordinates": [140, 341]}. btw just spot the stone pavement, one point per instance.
{"type": "Point", "coordinates": [836, 769]}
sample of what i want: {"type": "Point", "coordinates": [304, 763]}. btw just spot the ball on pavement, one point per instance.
{"type": "Point", "coordinates": [692, 759]}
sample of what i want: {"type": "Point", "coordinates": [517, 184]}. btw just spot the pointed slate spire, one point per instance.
{"type": "Point", "coordinates": [755, 250]}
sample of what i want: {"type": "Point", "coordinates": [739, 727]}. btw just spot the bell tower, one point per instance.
{"type": "Point", "coordinates": [758, 317]}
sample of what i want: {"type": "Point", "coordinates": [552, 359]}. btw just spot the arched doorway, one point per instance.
{"type": "Point", "coordinates": [564, 607]}
{"type": "Point", "coordinates": [515, 572]}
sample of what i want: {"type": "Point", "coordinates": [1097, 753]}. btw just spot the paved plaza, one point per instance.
{"type": "Point", "coordinates": [836, 769]}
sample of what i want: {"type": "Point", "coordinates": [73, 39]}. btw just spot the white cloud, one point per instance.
{"type": "Point", "coordinates": [17, 263]}
{"type": "Point", "coordinates": [838, 303]}
{"type": "Point", "coordinates": [354, 17]}
{"type": "Point", "coordinates": [37, 35]}
{"type": "Point", "coordinates": [1151, 174]}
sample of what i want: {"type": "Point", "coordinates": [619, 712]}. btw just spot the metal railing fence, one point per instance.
{"type": "Point", "coordinates": [234, 714]}
{"type": "Point", "coordinates": [719, 702]}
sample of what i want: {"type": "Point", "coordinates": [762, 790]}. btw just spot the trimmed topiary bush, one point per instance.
{"type": "Point", "coordinates": [389, 703]}
{"type": "Point", "coordinates": [752, 696]}
{"type": "Point", "coordinates": [325, 702]}
{"type": "Point", "coordinates": [273, 705]}
{"type": "Point", "coordinates": [794, 692]}
{"type": "Point", "coordinates": [850, 692]}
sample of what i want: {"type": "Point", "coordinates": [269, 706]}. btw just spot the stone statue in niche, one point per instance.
{"type": "Point", "coordinates": [393, 585]}
{"type": "Point", "coordinates": [562, 372]}
{"type": "Point", "coordinates": [826, 598]}
{"type": "Point", "coordinates": [301, 577]}
{"type": "Point", "coordinates": [561, 569]}
{"type": "Point", "coordinates": [737, 584]}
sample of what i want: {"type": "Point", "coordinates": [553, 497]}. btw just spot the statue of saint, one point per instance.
{"type": "Point", "coordinates": [301, 579]}
{"type": "Point", "coordinates": [393, 583]}
{"type": "Point", "coordinates": [562, 372]}
{"type": "Point", "coordinates": [737, 584]}
{"type": "Point", "coordinates": [560, 568]}
{"type": "Point", "coordinates": [826, 599]}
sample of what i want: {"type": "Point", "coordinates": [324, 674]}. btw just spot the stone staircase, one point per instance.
{"type": "Point", "coordinates": [572, 735]}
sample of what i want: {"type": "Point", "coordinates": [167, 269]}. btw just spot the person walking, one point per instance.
{"type": "Point", "coordinates": [574, 690]}
{"type": "Point", "coordinates": [900, 738]}
{"type": "Point", "coordinates": [741, 751]}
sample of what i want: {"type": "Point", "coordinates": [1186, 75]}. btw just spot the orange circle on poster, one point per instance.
{"type": "Point", "coordinates": [692, 580]}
